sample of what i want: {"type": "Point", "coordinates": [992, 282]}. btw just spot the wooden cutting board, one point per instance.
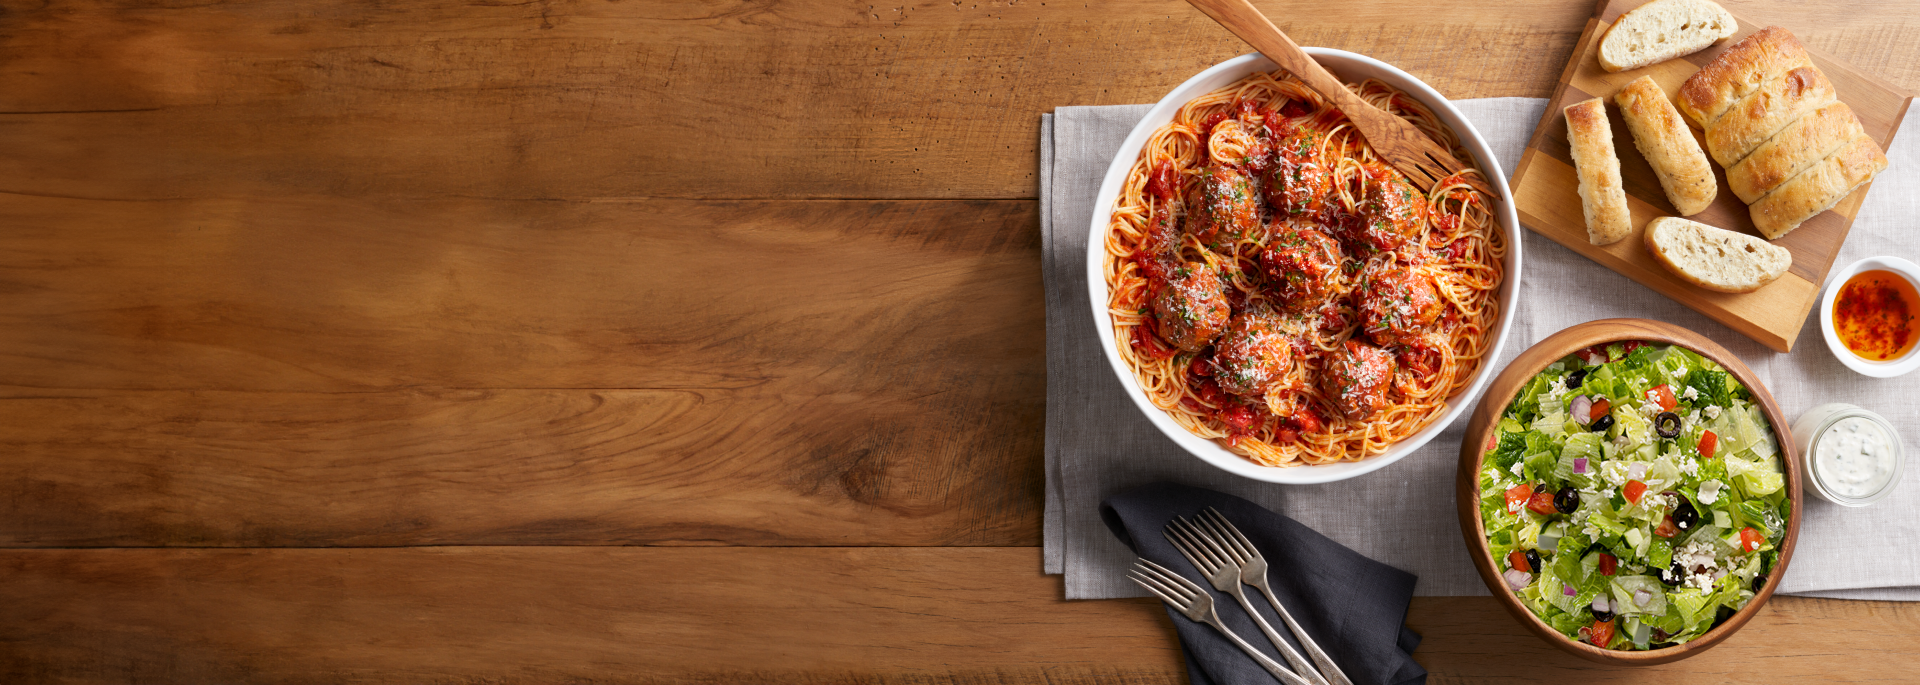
{"type": "Point", "coordinates": [1545, 188]}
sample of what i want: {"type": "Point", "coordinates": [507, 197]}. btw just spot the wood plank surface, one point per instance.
{"type": "Point", "coordinates": [1546, 187]}
{"type": "Point", "coordinates": [263, 373]}
{"type": "Point", "coordinates": [710, 615]}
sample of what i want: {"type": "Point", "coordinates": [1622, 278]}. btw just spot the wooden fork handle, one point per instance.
{"type": "Point", "coordinates": [1240, 18]}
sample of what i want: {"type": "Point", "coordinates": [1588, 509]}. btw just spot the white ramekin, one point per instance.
{"type": "Point", "coordinates": [1866, 367]}
{"type": "Point", "coordinates": [1807, 431]}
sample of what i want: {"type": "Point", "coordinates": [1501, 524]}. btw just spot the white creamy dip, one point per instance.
{"type": "Point", "coordinates": [1854, 457]}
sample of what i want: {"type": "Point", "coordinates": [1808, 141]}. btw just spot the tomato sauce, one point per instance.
{"type": "Point", "coordinates": [1873, 316]}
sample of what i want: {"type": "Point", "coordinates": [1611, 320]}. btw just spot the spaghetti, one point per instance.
{"type": "Point", "coordinates": [1276, 287]}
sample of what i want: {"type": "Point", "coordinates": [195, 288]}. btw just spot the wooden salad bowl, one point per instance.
{"type": "Point", "coordinates": [1487, 416]}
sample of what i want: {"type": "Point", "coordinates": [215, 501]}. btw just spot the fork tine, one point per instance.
{"type": "Point", "coordinates": [1169, 591]}
{"type": "Point", "coordinates": [1216, 545]}
{"type": "Point", "coordinates": [1179, 543]}
{"type": "Point", "coordinates": [1234, 531]}
{"type": "Point", "coordinates": [1160, 577]}
{"type": "Point", "coordinates": [1158, 592]}
{"type": "Point", "coordinates": [1225, 540]}
{"type": "Point", "coordinates": [1179, 581]}
{"type": "Point", "coordinates": [1191, 538]}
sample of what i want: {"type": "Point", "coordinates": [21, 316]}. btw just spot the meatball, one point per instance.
{"type": "Point", "coordinates": [1396, 305]}
{"type": "Point", "coordinates": [1391, 212]}
{"type": "Point", "coordinates": [1297, 183]}
{"type": "Point", "coordinates": [1190, 308]}
{"type": "Point", "coordinates": [1252, 355]}
{"type": "Point", "coordinates": [1227, 208]}
{"type": "Point", "coordinates": [1356, 378]}
{"type": "Point", "coordinates": [1300, 264]}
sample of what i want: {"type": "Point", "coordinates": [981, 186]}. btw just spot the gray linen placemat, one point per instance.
{"type": "Point", "coordinates": [1097, 443]}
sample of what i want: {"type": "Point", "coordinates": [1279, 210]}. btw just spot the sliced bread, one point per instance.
{"type": "Point", "coordinates": [1741, 69]}
{"type": "Point", "coordinates": [1765, 111]}
{"type": "Point", "coordinates": [1662, 30]}
{"type": "Point", "coordinates": [1663, 138]}
{"type": "Point", "coordinates": [1603, 198]}
{"type": "Point", "coordinates": [1818, 188]}
{"type": "Point", "coordinates": [1807, 140]}
{"type": "Point", "coordinates": [1714, 258]}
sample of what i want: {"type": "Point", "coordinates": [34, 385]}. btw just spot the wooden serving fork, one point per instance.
{"type": "Point", "coordinates": [1423, 161]}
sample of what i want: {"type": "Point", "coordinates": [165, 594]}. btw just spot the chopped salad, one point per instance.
{"type": "Point", "coordinates": [1633, 496]}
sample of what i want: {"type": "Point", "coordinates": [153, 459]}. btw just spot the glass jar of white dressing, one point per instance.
{"type": "Point", "coordinates": [1851, 456]}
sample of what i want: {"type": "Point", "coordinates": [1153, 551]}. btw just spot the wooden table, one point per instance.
{"type": "Point", "coordinates": [616, 341]}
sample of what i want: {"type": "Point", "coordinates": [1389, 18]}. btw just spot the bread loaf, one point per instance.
{"type": "Point", "coordinates": [1603, 199]}
{"type": "Point", "coordinates": [1765, 111]}
{"type": "Point", "coordinates": [1805, 141]}
{"type": "Point", "coordinates": [1663, 138]}
{"type": "Point", "coordinates": [1740, 70]}
{"type": "Point", "coordinates": [1818, 188]}
{"type": "Point", "coordinates": [1662, 30]}
{"type": "Point", "coordinates": [1714, 258]}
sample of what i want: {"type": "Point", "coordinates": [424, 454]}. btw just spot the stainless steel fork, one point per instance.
{"type": "Point", "coordinates": [1196, 603]}
{"type": "Point", "coordinates": [1222, 569]}
{"type": "Point", "coordinates": [1253, 571]}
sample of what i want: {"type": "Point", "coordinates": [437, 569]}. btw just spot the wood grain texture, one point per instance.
{"type": "Point", "coordinates": [1493, 404]}
{"type": "Point", "coordinates": [713, 615]}
{"type": "Point", "coordinates": [306, 372]}
{"type": "Point", "coordinates": [589, 98]}
{"type": "Point", "coordinates": [1545, 185]}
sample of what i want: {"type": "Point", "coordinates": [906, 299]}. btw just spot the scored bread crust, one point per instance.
{"type": "Point", "coordinates": [1603, 198]}
{"type": "Point", "coordinates": [1818, 188]}
{"type": "Point", "coordinates": [1662, 30]}
{"type": "Point", "coordinates": [1765, 111]}
{"type": "Point", "coordinates": [1807, 140]}
{"type": "Point", "coordinates": [1741, 69]}
{"type": "Point", "coordinates": [1669, 147]}
{"type": "Point", "coordinates": [1714, 258]}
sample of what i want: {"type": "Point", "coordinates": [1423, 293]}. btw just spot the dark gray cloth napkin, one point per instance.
{"type": "Point", "coordinates": [1355, 608]}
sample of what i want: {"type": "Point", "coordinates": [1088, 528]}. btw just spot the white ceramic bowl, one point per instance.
{"type": "Point", "coordinates": [1865, 367]}
{"type": "Point", "coordinates": [1350, 68]}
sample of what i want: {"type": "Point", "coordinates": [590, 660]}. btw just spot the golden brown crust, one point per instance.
{"type": "Point", "coordinates": [1819, 188]}
{"type": "Point", "coordinates": [1603, 198]}
{"type": "Point", "coordinates": [1663, 139]}
{"type": "Point", "coordinates": [1766, 111]}
{"type": "Point", "coordinates": [1741, 69]}
{"type": "Point", "coordinates": [1798, 146]}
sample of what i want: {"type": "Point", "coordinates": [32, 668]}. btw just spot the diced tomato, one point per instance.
{"type": "Point", "coordinates": [1708, 441]}
{"type": "Point", "coordinates": [1751, 540]}
{"type": "Point", "coordinates": [1518, 561]}
{"type": "Point", "coordinates": [1149, 344]}
{"type": "Point", "coordinates": [1601, 633]}
{"type": "Point", "coordinates": [1206, 127]}
{"type": "Point", "coordinates": [1286, 434]}
{"type": "Point", "coordinates": [1308, 421]}
{"type": "Point", "coordinates": [1666, 529]}
{"type": "Point", "coordinates": [1200, 367]}
{"type": "Point", "coordinates": [1164, 182]}
{"type": "Point", "coordinates": [1594, 355]}
{"type": "Point", "coordinates": [1209, 392]}
{"type": "Point", "coordinates": [1295, 108]}
{"type": "Point", "coordinates": [1634, 490]}
{"type": "Point", "coordinates": [1608, 564]}
{"type": "Point", "coordinates": [1542, 502]}
{"type": "Point", "coordinates": [1663, 394]}
{"type": "Point", "coordinates": [1629, 346]}
{"type": "Point", "coordinates": [1601, 407]}
{"type": "Point", "coordinates": [1238, 416]}
{"type": "Point", "coordinates": [1517, 497]}
{"type": "Point", "coordinates": [1247, 108]}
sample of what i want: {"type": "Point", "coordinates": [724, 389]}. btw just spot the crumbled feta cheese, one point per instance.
{"type": "Point", "coordinates": [1517, 470]}
{"type": "Point", "coordinates": [1713, 411]}
{"type": "Point", "coordinates": [1620, 441]}
{"type": "Point", "coordinates": [1691, 393]}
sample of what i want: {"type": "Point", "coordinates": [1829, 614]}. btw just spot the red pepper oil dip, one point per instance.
{"type": "Point", "coordinates": [1873, 315]}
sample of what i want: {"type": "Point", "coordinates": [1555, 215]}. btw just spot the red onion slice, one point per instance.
{"type": "Point", "coordinates": [1567, 590]}
{"type": "Point", "coordinates": [1600, 603]}
{"type": "Point", "coordinates": [1517, 579]}
{"type": "Point", "coordinates": [1642, 596]}
{"type": "Point", "coordinates": [1579, 464]}
{"type": "Point", "coordinates": [1582, 410]}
